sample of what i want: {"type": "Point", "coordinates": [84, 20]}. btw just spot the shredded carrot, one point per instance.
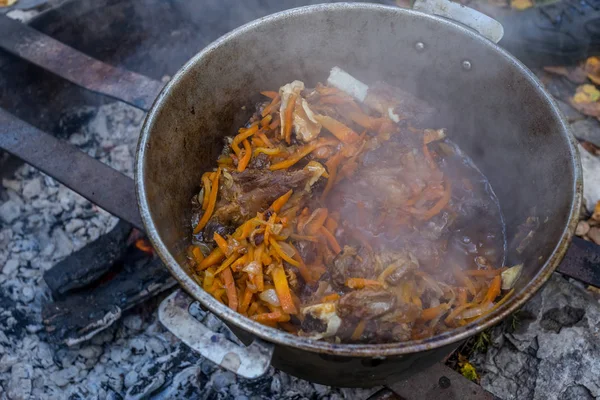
{"type": "Point", "coordinates": [227, 263]}
{"type": "Point", "coordinates": [429, 314]}
{"type": "Point", "coordinates": [243, 134]}
{"type": "Point", "coordinates": [316, 221]}
{"type": "Point", "coordinates": [267, 151]}
{"type": "Point", "coordinates": [494, 289]}
{"type": "Point", "coordinates": [288, 118]}
{"type": "Point", "coordinates": [358, 331]}
{"type": "Point", "coordinates": [452, 316]}
{"type": "Point", "coordinates": [503, 299]}
{"type": "Point", "coordinates": [264, 123]}
{"type": "Point", "coordinates": [330, 298]}
{"type": "Point", "coordinates": [275, 124]}
{"type": "Point", "coordinates": [245, 160]}
{"type": "Point", "coordinates": [212, 201]}
{"type": "Point", "coordinates": [283, 290]}
{"type": "Point", "coordinates": [259, 281]}
{"type": "Point", "coordinates": [209, 279]}
{"type": "Point", "coordinates": [242, 261]}
{"type": "Point", "coordinates": [222, 243]}
{"type": "Point", "coordinates": [197, 254]}
{"type": "Point", "coordinates": [304, 237]}
{"type": "Point", "coordinates": [246, 299]}
{"type": "Point", "coordinates": [271, 107]}
{"type": "Point", "coordinates": [462, 296]}
{"type": "Point", "coordinates": [294, 158]}
{"type": "Point", "coordinates": [332, 165]}
{"type": "Point", "coordinates": [359, 283]}
{"type": "Point", "coordinates": [339, 130]}
{"type": "Point", "coordinates": [230, 288]}
{"type": "Point", "coordinates": [206, 184]}
{"type": "Point", "coordinates": [331, 240]}
{"type": "Point", "coordinates": [484, 273]}
{"type": "Point", "coordinates": [214, 257]}
{"type": "Point", "coordinates": [441, 203]}
{"type": "Point", "coordinates": [289, 327]}
{"type": "Point", "coordinates": [253, 308]}
{"type": "Point", "coordinates": [282, 254]}
{"type": "Point", "coordinates": [417, 301]}
{"type": "Point", "coordinates": [462, 278]}
{"type": "Point", "coordinates": [270, 94]}
{"type": "Point", "coordinates": [276, 316]}
{"type": "Point", "coordinates": [331, 224]}
{"type": "Point", "coordinates": [280, 202]}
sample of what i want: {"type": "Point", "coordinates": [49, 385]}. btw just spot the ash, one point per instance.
{"type": "Point", "coordinates": [41, 222]}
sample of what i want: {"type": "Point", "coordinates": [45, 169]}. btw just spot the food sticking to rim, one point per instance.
{"type": "Point", "coordinates": [337, 214]}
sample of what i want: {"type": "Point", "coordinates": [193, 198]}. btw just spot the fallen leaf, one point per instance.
{"type": "Point", "coordinates": [585, 100]}
{"type": "Point", "coordinates": [591, 147]}
{"type": "Point", "coordinates": [596, 213]}
{"type": "Point", "coordinates": [467, 369]}
{"type": "Point", "coordinates": [7, 3]}
{"type": "Point", "coordinates": [574, 74]}
{"type": "Point", "coordinates": [592, 69]}
{"type": "Point", "coordinates": [404, 3]}
{"type": "Point", "coordinates": [521, 4]}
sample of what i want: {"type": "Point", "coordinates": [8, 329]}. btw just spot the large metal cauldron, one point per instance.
{"type": "Point", "coordinates": [493, 107]}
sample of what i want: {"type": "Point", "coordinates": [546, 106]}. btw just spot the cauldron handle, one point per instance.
{"type": "Point", "coordinates": [486, 26]}
{"type": "Point", "coordinates": [249, 362]}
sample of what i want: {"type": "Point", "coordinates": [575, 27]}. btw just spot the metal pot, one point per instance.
{"type": "Point", "coordinates": [493, 107]}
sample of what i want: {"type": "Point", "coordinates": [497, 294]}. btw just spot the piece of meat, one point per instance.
{"type": "Point", "coordinates": [366, 303]}
{"type": "Point", "coordinates": [351, 263]}
{"type": "Point", "coordinates": [243, 194]}
{"type": "Point", "coordinates": [401, 262]}
{"type": "Point", "coordinates": [382, 96]}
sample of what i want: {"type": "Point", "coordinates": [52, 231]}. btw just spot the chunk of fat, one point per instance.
{"type": "Point", "coordinates": [286, 92]}
{"type": "Point", "coordinates": [326, 312]}
{"type": "Point", "coordinates": [342, 80]}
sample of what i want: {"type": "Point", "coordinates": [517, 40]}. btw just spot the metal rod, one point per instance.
{"type": "Point", "coordinates": [94, 180]}
{"type": "Point", "coordinates": [581, 262]}
{"type": "Point", "coordinates": [76, 67]}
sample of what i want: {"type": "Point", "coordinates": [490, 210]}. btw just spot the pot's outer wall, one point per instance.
{"type": "Point", "coordinates": [496, 111]}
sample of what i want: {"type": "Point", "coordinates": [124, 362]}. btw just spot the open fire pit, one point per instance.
{"type": "Point", "coordinates": [78, 288]}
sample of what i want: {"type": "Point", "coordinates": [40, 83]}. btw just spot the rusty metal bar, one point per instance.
{"type": "Point", "coordinates": [94, 180]}
{"type": "Point", "coordinates": [439, 383]}
{"type": "Point", "coordinates": [582, 262]}
{"type": "Point", "coordinates": [74, 66]}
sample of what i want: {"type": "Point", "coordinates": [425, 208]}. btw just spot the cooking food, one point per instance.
{"type": "Point", "coordinates": [336, 213]}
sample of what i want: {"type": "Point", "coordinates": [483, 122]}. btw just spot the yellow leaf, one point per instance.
{"type": "Point", "coordinates": [521, 4]}
{"type": "Point", "coordinates": [468, 371]}
{"type": "Point", "coordinates": [580, 98]}
{"type": "Point", "coordinates": [589, 89]}
{"type": "Point", "coordinates": [7, 3]}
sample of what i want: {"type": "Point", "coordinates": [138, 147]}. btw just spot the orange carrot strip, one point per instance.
{"type": "Point", "coordinates": [330, 297]}
{"type": "Point", "coordinates": [275, 124]}
{"type": "Point", "coordinates": [253, 308]}
{"type": "Point", "coordinates": [316, 221]}
{"type": "Point", "coordinates": [267, 151]}
{"type": "Point", "coordinates": [304, 272]}
{"type": "Point", "coordinates": [276, 316]}
{"type": "Point", "coordinates": [246, 299]}
{"type": "Point", "coordinates": [358, 331]}
{"type": "Point", "coordinates": [331, 224]}
{"type": "Point", "coordinates": [339, 130]}
{"type": "Point", "coordinates": [365, 121]}
{"type": "Point", "coordinates": [227, 263]}
{"type": "Point", "coordinates": [288, 118]}
{"type": "Point", "coordinates": [289, 327]}
{"type": "Point", "coordinates": [462, 296]}
{"type": "Point", "coordinates": [212, 201]}
{"type": "Point", "coordinates": [439, 206]}
{"type": "Point", "coordinates": [206, 185]}
{"type": "Point", "coordinates": [259, 280]}
{"type": "Point", "coordinates": [493, 290]}
{"type": "Point", "coordinates": [450, 318]}
{"type": "Point", "coordinates": [332, 165]}
{"type": "Point", "coordinates": [431, 313]}
{"type": "Point", "coordinates": [283, 290]}
{"type": "Point", "coordinates": [209, 279]}
{"type": "Point", "coordinates": [280, 202]}
{"type": "Point", "coordinates": [265, 123]}
{"type": "Point", "coordinates": [462, 278]}
{"type": "Point", "coordinates": [240, 262]}
{"type": "Point", "coordinates": [270, 94]}
{"type": "Point", "coordinates": [214, 257]}
{"type": "Point", "coordinates": [272, 105]}
{"type": "Point", "coordinates": [304, 237]}
{"type": "Point", "coordinates": [294, 158]}
{"type": "Point", "coordinates": [222, 243]}
{"type": "Point", "coordinates": [359, 283]}
{"type": "Point", "coordinates": [484, 273]}
{"type": "Point", "coordinates": [282, 253]}
{"type": "Point", "coordinates": [198, 256]}
{"type": "Point", "coordinates": [243, 134]}
{"type": "Point", "coordinates": [265, 139]}
{"type": "Point", "coordinates": [246, 157]}
{"type": "Point", "coordinates": [331, 240]}
{"type": "Point", "coordinates": [230, 288]}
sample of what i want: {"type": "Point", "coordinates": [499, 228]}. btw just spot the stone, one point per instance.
{"type": "Point", "coordinates": [10, 267]}
{"type": "Point", "coordinates": [553, 352]}
{"type": "Point", "coordinates": [12, 184]}
{"type": "Point", "coordinates": [74, 225]}
{"type": "Point", "coordinates": [130, 379]}
{"type": "Point", "coordinates": [591, 178]}
{"type": "Point", "coordinates": [223, 379]}
{"type": "Point", "coordinates": [133, 322]}
{"type": "Point", "coordinates": [154, 345]}
{"type": "Point", "coordinates": [587, 129]}
{"type": "Point", "coordinates": [594, 234]}
{"type": "Point", "coordinates": [582, 228]}
{"type": "Point", "coordinates": [90, 352]}
{"type": "Point", "coordinates": [32, 188]}
{"type": "Point", "coordinates": [7, 361]}
{"type": "Point", "coordinates": [9, 211]}
{"type": "Point", "coordinates": [19, 386]}
{"type": "Point", "coordinates": [63, 245]}
{"type": "Point", "coordinates": [145, 387]}
{"type": "Point", "coordinates": [64, 376]}
{"type": "Point", "coordinates": [27, 294]}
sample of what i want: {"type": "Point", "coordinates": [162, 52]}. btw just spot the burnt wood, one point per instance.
{"type": "Point", "coordinates": [79, 317]}
{"type": "Point", "coordinates": [85, 266]}
{"type": "Point", "coordinates": [582, 262]}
